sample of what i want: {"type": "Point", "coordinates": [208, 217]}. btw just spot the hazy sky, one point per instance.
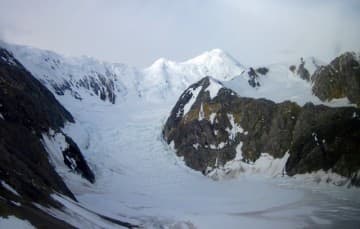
{"type": "Point", "coordinates": [138, 32]}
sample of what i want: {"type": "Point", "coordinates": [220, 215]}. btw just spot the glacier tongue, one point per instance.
{"type": "Point", "coordinates": [140, 177]}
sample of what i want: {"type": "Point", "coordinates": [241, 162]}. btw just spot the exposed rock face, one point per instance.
{"type": "Point", "coordinates": [326, 138]}
{"type": "Point", "coordinates": [28, 110]}
{"type": "Point", "coordinates": [215, 128]}
{"type": "Point", "coordinates": [102, 86]}
{"type": "Point", "coordinates": [253, 78]}
{"type": "Point", "coordinates": [302, 71]}
{"type": "Point", "coordinates": [262, 70]}
{"type": "Point", "coordinates": [341, 78]}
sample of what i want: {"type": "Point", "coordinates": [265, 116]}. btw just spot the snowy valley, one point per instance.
{"type": "Point", "coordinates": [119, 114]}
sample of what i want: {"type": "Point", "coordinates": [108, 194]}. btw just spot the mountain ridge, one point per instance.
{"type": "Point", "coordinates": [82, 77]}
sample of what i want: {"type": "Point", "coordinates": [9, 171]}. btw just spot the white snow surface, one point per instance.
{"type": "Point", "coordinates": [14, 222]}
{"type": "Point", "coordinates": [201, 113]}
{"type": "Point", "coordinates": [280, 84]}
{"type": "Point", "coordinates": [140, 179]}
{"type": "Point", "coordinates": [235, 128]}
{"type": "Point", "coordinates": [163, 79]}
{"type": "Point", "coordinates": [213, 88]}
{"type": "Point", "coordinates": [212, 118]}
{"type": "Point", "coordinates": [166, 79]}
{"type": "Point", "coordinates": [265, 165]}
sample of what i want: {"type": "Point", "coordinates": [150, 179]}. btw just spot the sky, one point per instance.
{"type": "Point", "coordinates": [137, 32]}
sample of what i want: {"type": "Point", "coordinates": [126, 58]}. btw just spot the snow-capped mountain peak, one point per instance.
{"type": "Point", "coordinates": [165, 79]}
{"type": "Point", "coordinates": [216, 63]}
{"type": "Point", "coordinates": [160, 64]}
{"type": "Point", "coordinates": [213, 56]}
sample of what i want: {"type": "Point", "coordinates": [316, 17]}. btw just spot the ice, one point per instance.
{"type": "Point", "coordinates": [14, 222]}
{"type": "Point", "coordinates": [140, 177]}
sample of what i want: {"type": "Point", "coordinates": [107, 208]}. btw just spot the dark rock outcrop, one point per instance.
{"type": "Point", "coordinates": [341, 78]}
{"type": "Point", "coordinates": [27, 111]}
{"type": "Point", "coordinates": [302, 71]}
{"type": "Point", "coordinates": [208, 134]}
{"type": "Point", "coordinates": [74, 159]}
{"type": "Point", "coordinates": [262, 70]}
{"type": "Point", "coordinates": [253, 78]}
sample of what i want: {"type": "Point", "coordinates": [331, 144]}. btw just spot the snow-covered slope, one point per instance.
{"type": "Point", "coordinates": [84, 76]}
{"type": "Point", "coordinates": [280, 83]}
{"type": "Point", "coordinates": [164, 79]}
{"type": "Point", "coordinates": [139, 178]}
{"type": "Point", "coordinates": [172, 77]}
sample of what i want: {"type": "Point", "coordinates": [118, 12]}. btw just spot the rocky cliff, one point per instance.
{"type": "Point", "coordinates": [341, 78]}
{"type": "Point", "coordinates": [211, 125]}
{"type": "Point", "coordinates": [28, 112]}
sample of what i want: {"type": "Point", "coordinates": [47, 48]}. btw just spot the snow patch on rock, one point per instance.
{"type": "Point", "coordinates": [212, 118]}
{"type": "Point", "coordinates": [213, 88]}
{"type": "Point", "coordinates": [9, 188]}
{"type": "Point", "coordinates": [196, 146]}
{"type": "Point", "coordinates": [221, 145]}
{"type": "Point", "coordinates": [194, 94]}
{"type": "Point", "coordinates": [265, 165]}
{"type": "Point", "coordinates": [235, 128]}
{"type": "Point", "coordinates": [238, 150]}
{"type": "Point", "coordinates": [201, 113]}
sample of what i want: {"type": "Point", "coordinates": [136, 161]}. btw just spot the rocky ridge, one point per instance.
{"type": "Point", "coordinates": [28, 112]}
{"type": "Point", "coordinates": [210, 128]}
{"type": "Point", "coordinates": [339, 79]}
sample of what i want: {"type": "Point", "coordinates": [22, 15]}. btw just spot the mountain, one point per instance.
{"type": "Point", "coordinates": [110, 117]}
{"type": "Point", "coordinates": [86, 77]}
{"type": "Point", "coordinates": [218, 131]}
{"type": "Point", "coordinates": [32, 141]}
{"type": "Point", "coordinates": [173, 77]}
{"type": "Point", "coordinates": [83, 77]}
{"type": "Point", "coordinates": [339, 79]}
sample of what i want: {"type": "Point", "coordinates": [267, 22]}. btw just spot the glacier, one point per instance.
{"type": "Point", "coordinates": [140, 179]}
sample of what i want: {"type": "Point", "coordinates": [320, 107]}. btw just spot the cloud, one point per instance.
{"type": "Point", "coordinates": [138, 32]}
